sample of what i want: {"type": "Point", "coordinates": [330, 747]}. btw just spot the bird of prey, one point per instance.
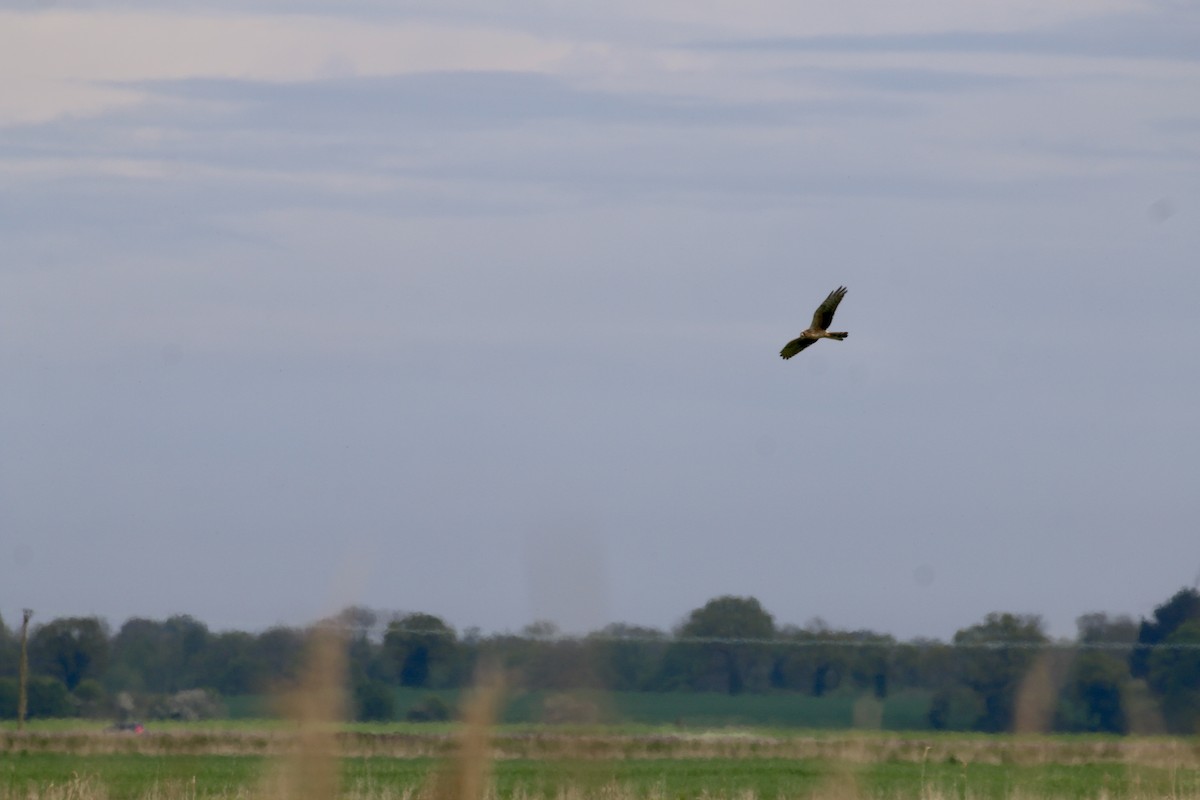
{"type": "Point", "coordinates": [822, 319]}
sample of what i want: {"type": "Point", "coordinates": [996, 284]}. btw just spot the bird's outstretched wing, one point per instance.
{"type": "Point", "coordinates": [823, 317]}
{"type": "Point", "coordinates": [795, 346]}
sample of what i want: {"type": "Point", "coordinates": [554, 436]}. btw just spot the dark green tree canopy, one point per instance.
{"type": "Point", "coordinates": [627, 656]}
{"type": "Point", "coordinates": [1093, 695]}
{"type": "Point", "coordinates": [729, 617]}
{"type": "Point", "coordinates": [420, 648]}
{"type": "Point", "coordinates": [9, 649]}
{"type": "Point", "coordinates": [1092, 699]}
{"type": "Point", "coordinates": [994, 657]}
{"type": "Point", "coordinates": [818, 660]}
{"type": "Point", "coordinates": [729, 645]}
{"type": "Point", "coordinates": [1173, 672]}
{"type": "Point", "coordinates": [160, 656]}
{"type": "Point", "coordinates": [1183, 607]}
{"type": "Point", "coordinates": [726, 664]}
{"type": "Point", "coordinates": [1105, 628]}
{"type": "Point", "coordinates": [70, 649]}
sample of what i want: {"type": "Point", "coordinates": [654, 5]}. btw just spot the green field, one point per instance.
{"type": "Point", "coordinates": [131, 777]}
{"type": "Point", "coordinates": [135, 777]}
{"type": "Point", "coordinates": [908, 710]}
{"type": "Point", "coordinates": [50, 762]}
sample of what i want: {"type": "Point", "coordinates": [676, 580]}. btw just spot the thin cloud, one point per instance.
{"type": "Point", "coordinates": [406, 283]}
{"type": "Point", "coordinates": [1160, 35]}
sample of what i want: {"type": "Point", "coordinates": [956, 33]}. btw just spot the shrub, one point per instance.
{"type": "Point", "coordinates": [430, 709]}
{"type": "Point", "coordinates": [569, 708]}
{"type": "Point", "coordinates": [956, 709]}
{"type": "Point", "coordinates": [189, 705]}
{"type": "Point", "coordinates": [374, 701]}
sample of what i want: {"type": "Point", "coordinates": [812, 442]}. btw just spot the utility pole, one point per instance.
{"type": "Point", "coordinates": [23, 679]}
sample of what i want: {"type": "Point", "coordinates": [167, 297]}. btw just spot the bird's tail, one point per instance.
{"type": "Point", "coordinates": [839, 336]}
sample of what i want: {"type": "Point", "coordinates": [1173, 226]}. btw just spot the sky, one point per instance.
{"type": "Point", "coordinates": [475, 309]}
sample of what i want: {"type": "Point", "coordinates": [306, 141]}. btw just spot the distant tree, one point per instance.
{"type": "Point", "coordinates": [540, 657]}
{"type": "Point", "coordinates": [1173, 672]}
{"type": "Point", "coordinates": [8, 698]}
{"type": "Point", "coordinates": [358, 622]}
{"type": "Point", "coordinates": [818, 660]}
{"type": "Point", "coordinates": [1182, 607]}
{"type": "Point", "coordinates": [421, 650]}
{"type": "Point", "coordinates": [548, 660]}
{"type": "Point", "coordinates": [232, 665]}
{"type": "Point", "coordinates": [542, 630]}
{"type": "Point", "coordinates": [794, 667]}
{"type": "Point", "coordinates": [364, 655]}
{"type": "Point", "coordinates": [467, 658]}
{"type": "Point", "coordinates": [136, 657]}
{"type": "Point", "coordinates": [49, 698]}
{"type": "Point", "coordinates": [158, 656]}
{"type": "Point", "coordinates": [1098, 627]}
{"type": "Point", "coordinates": [9, 648]}
{"type": "Point", "coordinates": [429, 709]}
{"type": "Point", "coordinates": [993, 658]}
{"type": "Point", "coordinates": [871, 661]}
{"type": "Point", "coordinates": [367, 661]}
{"type": "Point", "coordinates": [90, 699]}
{"type": "Point", "coordinates": [69, 649]}
{"type": "Point", "coordinates": [627, 657]}
{"type": "Point", "coordinates": [280, 653]}
{"type": "Point", "coordinates": [1092, 698]}
{"type": "Point", "coordinates": [956, 708]}
{"type": "Point", "coordinates": [730, 651]}
{"type": "Point", "coordinates": [189, 705]}
{"type": "Point", "coordinates": [374, 701]}
{"type": "Point", "coordinates": [925, 664]}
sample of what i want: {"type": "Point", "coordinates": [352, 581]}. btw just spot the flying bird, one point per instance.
{"type": "Point", "coordinates": [822, 319]}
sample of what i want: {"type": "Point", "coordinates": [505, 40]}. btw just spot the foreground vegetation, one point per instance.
{"type": "Point", "coordinates": [314, 755]}
{"type": "Point", "coordinates": [51, 762]}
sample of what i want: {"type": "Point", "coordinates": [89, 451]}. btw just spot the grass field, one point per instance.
{"type": "Point", "coordinates": [907, 710]}
{"type": "Point", "coordinates": [52, 762]}
{"type": "Point", "coordinates": [308, 755]}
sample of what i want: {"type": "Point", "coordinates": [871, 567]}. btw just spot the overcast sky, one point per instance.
{"type": "Point", "coordinates": [475, 309]}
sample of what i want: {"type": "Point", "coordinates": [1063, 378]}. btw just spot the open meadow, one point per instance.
{"type": "Point", "coordinates": [854, 748]}
{"type": "Point", "coordinates": [57, 762]}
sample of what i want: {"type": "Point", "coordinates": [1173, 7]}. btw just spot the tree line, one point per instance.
{"type": "Point", "coordinates": [1114, 670]}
